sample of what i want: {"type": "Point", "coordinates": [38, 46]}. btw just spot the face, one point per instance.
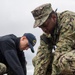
{"type": "Point", "coordinates": [49, 25]}
{"type": "Point", "coordinates": [24, 45]}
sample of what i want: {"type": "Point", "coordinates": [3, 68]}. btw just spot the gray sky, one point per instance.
{"type": "Point", "coordinates": [16, 18]}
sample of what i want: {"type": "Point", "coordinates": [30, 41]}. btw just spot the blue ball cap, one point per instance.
{"type": "Point", "coordinates": [31, 39]}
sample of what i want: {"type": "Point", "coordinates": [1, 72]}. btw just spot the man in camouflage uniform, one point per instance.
{"type": "Point", "coordinates": [59, 31]}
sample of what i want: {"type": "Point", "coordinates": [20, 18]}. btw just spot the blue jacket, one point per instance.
{"type": "Point", "coordinates": [11, 55]}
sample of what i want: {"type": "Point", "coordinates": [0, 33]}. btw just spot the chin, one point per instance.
{"type": "Point", "coordinates": [47, 32]}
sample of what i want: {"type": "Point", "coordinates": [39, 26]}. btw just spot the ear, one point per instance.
{"type": "Point", "coordinates": [54, 17]}
{"type": "Point", "coordinates": [23, 38]}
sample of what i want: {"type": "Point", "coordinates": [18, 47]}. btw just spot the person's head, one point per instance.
{"type": "Point", "coordinates": [45, 18]}
{"type": "Point", "coordinates": [28, 40]}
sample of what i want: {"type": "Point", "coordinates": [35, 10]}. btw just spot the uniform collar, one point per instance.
{"type": "Point", "coordinates": [18, 43]}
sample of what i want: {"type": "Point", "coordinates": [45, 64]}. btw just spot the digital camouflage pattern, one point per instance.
{"type": "Point", "coordinates": [40, 15]}
{"type": "Point", "coordinates": [64, 55]}
{"type": "Point", "coordinates": [64, 58]}
{"type": "Point", "coordinates": [42, 59]}
{"type": "Point", "coordinates": [5, 70]}
{"type": "Point", "coordinates": [2, 68]}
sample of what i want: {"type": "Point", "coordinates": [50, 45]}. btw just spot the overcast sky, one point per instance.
{"type": "Point", "coordinates": [16, 18]}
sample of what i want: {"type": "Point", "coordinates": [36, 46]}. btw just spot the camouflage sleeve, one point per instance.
{"type": "Point", "coordinates": [42, 59]}
{"type": "Point", "coordinates": [67, 33]}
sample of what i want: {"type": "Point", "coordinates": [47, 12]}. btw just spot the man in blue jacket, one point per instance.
{"type": "Point", "coordinates": [12, 59]}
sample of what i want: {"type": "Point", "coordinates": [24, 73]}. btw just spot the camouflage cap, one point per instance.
{"type": "Point", "coordinates": [41, 14]}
